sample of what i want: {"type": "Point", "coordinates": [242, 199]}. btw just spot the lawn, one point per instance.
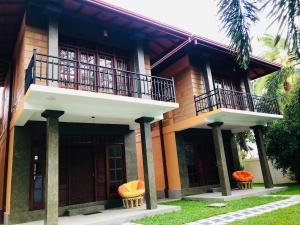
{"type": "Point", "coordinates": [294, 189]}
{"type": "Point", "coordinates": [285, 216]}
{"type": "Point", "coordinates": [196, 210]}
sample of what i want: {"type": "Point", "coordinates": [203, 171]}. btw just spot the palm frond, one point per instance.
{"type": "Point", "coordinates": [287, 14]}
{"type": "Point", "coordinates": [236, 17]}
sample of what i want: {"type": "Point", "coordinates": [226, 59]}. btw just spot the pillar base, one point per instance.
{"type": "Point", "coordinates": [175, 194]}
{"type": "Point", "coordinates": [6, 217]}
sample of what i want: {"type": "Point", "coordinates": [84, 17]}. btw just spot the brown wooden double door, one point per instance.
{"type": "Point", "coordinates": [87, 172]}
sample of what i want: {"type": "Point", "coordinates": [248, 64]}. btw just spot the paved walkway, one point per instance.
{"type": "Point", "coordinates": [235, 194]}
{"type": "Point", "coordinates": [249, 212]}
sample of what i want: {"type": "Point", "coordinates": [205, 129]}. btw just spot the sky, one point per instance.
{"type": "Point", "coordinates": [196, 16]}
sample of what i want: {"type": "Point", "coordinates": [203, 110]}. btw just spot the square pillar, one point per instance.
{"type": "Point", "coordinates": [149, 176]}
{"type": "Point", "coordinates": [52, 172]}
{"type": "Point", "coordinates": [258, 133]}
{"type": "Point", "coordinates": [235, 152]}
{"type": "Point", "coordinates": [221, 158]}
{"type": "Point", "coordinates": [53, 11]}
{"type": "Point", "coordinates": [130, 156]}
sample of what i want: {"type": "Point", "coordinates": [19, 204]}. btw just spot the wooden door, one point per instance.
{"type": "Point", "coordinates": [228, 92]}
{"type": "Point", "coordinates": [115, 168]}
{"type": "Point", "coordinates": [81, 183]}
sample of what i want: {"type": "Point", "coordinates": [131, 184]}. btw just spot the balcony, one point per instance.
{"type": "Point", "coordinates": [84, 91]}
{"type": "Point", "coordinates": [48, 70]}
{"type": "Point", "coordinates": [237, 110]}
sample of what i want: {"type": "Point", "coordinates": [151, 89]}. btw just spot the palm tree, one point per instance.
{"type": "Point", "coordinates": [237, 16]}
{"type": "Point", "coordinates": [278, 84]}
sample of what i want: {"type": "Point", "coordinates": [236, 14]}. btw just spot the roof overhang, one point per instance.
{"type": "Point", "coordinates": [11, 14]}
{"type": "Point", "coordinates": [258, 66]}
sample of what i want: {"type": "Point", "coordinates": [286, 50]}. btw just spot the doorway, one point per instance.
{"type": "Point", "coordinates": [81, 174]}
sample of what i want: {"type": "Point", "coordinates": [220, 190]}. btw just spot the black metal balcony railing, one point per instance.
{"type": "Point", "coordinates": [55, 71]}
{"type": "Point", "coordinates": [220, 98]}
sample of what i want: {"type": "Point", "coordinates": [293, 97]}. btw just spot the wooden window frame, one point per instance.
{"type": "Point", "coordinates": [108, 194]}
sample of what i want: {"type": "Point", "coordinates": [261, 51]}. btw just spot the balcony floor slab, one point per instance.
{"type": "Point", "coordinates": [88, 107]}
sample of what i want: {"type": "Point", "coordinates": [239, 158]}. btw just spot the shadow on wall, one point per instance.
{"type": "Point", "coordinates": [253, 166]}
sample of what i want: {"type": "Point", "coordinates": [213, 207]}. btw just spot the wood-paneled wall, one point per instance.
{"type": "Point", "coordinates": [30, 38]}
{"type": "Point", "coordinates": [189, 82]}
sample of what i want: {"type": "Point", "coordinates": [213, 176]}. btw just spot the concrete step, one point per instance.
{"type": "Point", "coordinates": [85, 210]}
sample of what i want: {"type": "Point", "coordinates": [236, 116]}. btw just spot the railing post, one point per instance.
{"type": "Point", "coordinates": [250, 102]}
{"type": "Point", "coordinates": [34, 66]}
{"type": "Point", "coordinates": [173, 91]}
{"type": "Point", "coordinates": [116, 80]}
{"type": "Point", "coordinates": [218, 104]}
{"type": "Point", "coordinates": [196, 105]}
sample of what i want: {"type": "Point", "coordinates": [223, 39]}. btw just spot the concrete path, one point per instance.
{"type": "Point", "coordinates": [249, 212]}
{"type": "Point", "coordinates": [235, 194]}
{"type": "Point", "coordinates": [111, 216]}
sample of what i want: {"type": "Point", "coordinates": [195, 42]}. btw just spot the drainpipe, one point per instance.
{"type": "Point", "coordinates": [162, 144]}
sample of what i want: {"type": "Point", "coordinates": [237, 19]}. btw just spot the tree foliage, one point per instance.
{"type": "Point", "coordinates": [283, 137]}
{"type": "Point", "coordinates": [278, 84]}
{"type": "Point", "coordinates": [237, 16]}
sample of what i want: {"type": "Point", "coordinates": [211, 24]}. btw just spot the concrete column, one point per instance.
{"type": "Point", "coordinates": [149, 176]}
{"type": "Point", "coordinates": [248, 89]}
{"type": "Point", "coordinates": [52, 172]}
{"type": "Point", "coordinates": [139, 65]}
{"type": "Point", "coordinates": [221, 158]}
{"type": "Point", "coordinates": [208, 78]}
{"type": "Point", "coordinates": [263, 156]}
{"type": "Point", "coordinates": [139, 56]}
{"type": "Point", "coordinates": [235, 152]}
{"type": "Point", "coordinates": [130, 156]}
{"type": "Point", "coordinates": [53, 50]}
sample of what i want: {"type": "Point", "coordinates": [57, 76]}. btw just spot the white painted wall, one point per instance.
{"type": "Point", "coordinates": [253, 166]}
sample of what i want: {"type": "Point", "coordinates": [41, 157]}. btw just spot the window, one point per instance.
{"type": "Point", "coordinates": [106, 78]}
{"type": "Point", "coordinates": [192, 167]}
{"type": "Point", "coordinates": [123, 85]}
{"type": "Point", "coordinates": [87, 71]}
{"type": "Point", "coordinates": [37, 176]}
{"type": "Point", "coordinates": [93, 71]}
{"type": "Point", "coordinates": [115, 168]}
{"type": "Point", "coordinates": [67, 71]}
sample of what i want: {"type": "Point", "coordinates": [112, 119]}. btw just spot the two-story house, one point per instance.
{"type": "Point", "coordinates": [82, 82]}
{"type": "Point", "coordinates": [199, 145]}
{"type": "Point", "coordinates": [77, 84]}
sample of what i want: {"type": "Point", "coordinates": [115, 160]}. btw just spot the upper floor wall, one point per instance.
{"type": "Point", "coordinates": [209, 87]}
{"type": "Point", "coordinates": [83, 47]}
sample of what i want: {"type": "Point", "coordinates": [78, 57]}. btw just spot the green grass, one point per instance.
{"type": "Point", "coordinates": [294, 189]}
{"type": "Point", "coordinates": [285, 216]}
{"type": "Point", "coordinates": [196, 210]}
